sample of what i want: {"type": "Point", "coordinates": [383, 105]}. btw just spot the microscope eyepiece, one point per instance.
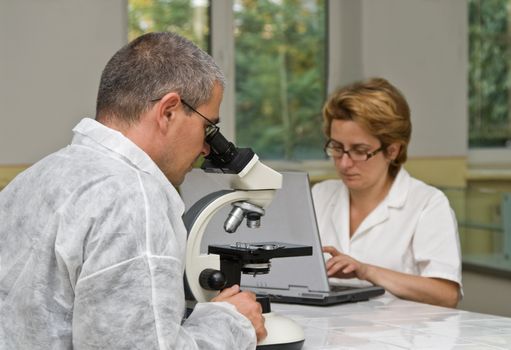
{"type": "Point", "coordinates": [222, 151]}
{"type": "Point", "coordinates": [224, 156]}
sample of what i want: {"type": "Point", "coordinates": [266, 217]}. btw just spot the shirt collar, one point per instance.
{"type": "Point", "coordinates": [89, 131]}
{"type": "Point", "coordinates": [399, 190]}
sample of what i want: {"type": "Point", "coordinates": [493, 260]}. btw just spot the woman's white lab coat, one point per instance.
{"type": "Point", "coordinates": [413, 230]}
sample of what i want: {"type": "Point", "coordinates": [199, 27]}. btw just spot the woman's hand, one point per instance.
{"type": "Point", "coordinates": [429, 290]}
{"type": "Point", "coordinates": [343, 266]}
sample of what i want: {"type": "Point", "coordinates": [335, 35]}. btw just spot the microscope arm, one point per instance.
{"type": "Point", "coordinates": [197, 219]}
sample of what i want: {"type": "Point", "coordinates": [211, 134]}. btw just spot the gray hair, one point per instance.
{"type": "Point", "coordinates": [151, 66]}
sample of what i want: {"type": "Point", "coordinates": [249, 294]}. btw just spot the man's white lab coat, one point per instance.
{"type": "Point", "coordinates": [92, 252]}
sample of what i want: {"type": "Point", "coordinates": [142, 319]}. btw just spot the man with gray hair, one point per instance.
{"type": "Point", "coordinates": [92, 243]}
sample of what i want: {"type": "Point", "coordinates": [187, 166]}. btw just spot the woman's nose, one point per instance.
{"type": "Point", "coordinates": [344, 160]}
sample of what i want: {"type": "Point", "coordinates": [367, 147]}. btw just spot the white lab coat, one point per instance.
{"type": "Point", "coordinates": [413, 230]}
{"type": "Point", "coordinates": [92, 252]}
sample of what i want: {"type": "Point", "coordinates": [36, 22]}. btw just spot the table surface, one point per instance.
{"type": "Point", "coordinates": [389, 323]}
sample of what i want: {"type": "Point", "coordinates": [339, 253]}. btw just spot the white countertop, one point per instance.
{"type": "Point", "coordinates": [388, 323]}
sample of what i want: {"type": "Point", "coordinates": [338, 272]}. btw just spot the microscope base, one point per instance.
{"type": "Point", "coordinates": [283, 333]}
{"type": "Point", "coordinates": [289, 346]}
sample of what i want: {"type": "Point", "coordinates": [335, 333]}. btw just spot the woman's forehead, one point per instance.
{"type": "Point", "coordinates": [350, 130]}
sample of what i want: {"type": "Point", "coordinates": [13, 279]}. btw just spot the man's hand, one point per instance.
{"type": "Point", "coordinates": [246, 304]}
{"type": "Point", "coordinates": [343, 266]}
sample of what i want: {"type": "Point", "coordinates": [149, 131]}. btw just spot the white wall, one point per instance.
{"type": "Point", "coordinates": [422, 47]}
{"type": "Point", "coordinates": [345, 40]}
{"type": "Point", "coordinates": [51, 56]}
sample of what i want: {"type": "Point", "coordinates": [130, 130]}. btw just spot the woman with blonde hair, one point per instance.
{"type": "Point", "coordinates": [378, 223]}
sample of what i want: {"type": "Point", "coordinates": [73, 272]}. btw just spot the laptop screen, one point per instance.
{"type": "Point", "coordinates": [290, 218]}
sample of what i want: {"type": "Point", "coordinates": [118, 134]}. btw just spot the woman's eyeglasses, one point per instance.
{"type": "Point", "coordinates": [334, 150]}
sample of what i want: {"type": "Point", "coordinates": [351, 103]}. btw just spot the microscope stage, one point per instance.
{"type": "Point", "coordinates": [260, 251]}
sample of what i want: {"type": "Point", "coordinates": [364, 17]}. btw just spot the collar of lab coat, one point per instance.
{"type": "Point", "coordinates": [399, 190]}
{"type": "Point", "coordinates": [395, 199]}
{"type": "Point", "coordinates": [116, 142]}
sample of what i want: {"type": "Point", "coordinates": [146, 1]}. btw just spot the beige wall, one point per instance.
{"type": "Point", "coordinates": [439, 171]}
{"type": "Point", "coordinates": [7, 173]}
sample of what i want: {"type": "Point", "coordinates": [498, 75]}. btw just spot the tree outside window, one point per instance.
{"type": "Point", "coordinates": [489, 78]}
{"type": "Point", "coordinates": [280, 77]}
{"type": "Point", "coordinates": [187, 18]}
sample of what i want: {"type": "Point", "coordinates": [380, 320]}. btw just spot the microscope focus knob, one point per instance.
{"type": "Point", "coordinates": [212, 279]}
{"type": "Point", "coordinates": [265, 303]}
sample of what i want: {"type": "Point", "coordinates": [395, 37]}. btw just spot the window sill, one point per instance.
{"type": "Point", "coordinates": [475, 174]}
{"type": "Point", "coordinates": [489, 158]}
{"type": "Point", "coordinates": [318, 170]}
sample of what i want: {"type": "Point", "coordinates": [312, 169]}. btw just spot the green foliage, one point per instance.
{"type": "Point", "coordinates": [280, 67]}
{"type": "Point", "coordinates": [280, 76]}
{"type": "Point", "coordinates": [489, 75]}
{"type": "Point", "coordinates": [179, 16]}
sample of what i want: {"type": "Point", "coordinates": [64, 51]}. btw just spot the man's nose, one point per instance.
{"type": "Point", "coordinates": [205, 149]}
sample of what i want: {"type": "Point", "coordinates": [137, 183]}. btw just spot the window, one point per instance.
{"type": "Point", "coordinates": [280, 77]}
{"type": "Point", "coordinates": [187, 18]}
{"type": "Point", "coordinates": [279, 64]}
{"type": "Point", "coordinates": [489, 79]}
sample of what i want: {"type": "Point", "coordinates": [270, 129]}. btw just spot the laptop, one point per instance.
{"type": "Point", "coordinates": [290, 218]}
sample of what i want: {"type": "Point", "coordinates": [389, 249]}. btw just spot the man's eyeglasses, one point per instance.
{"type": "Point", "coordinates": [211, 128]}
{"type": "Point", "coordinates": [333, 149]}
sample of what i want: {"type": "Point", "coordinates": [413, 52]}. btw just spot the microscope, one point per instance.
{"type": "Point", "coordinates": [252, 189]}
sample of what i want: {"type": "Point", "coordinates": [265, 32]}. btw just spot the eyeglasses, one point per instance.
{"type": "Point", "coordinates": [210, 129]}
{"type": "Point", "coordinates": [334, 150]}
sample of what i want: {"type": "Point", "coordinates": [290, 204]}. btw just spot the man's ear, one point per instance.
{"type": "Point", "coordinates": [167, 110]}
